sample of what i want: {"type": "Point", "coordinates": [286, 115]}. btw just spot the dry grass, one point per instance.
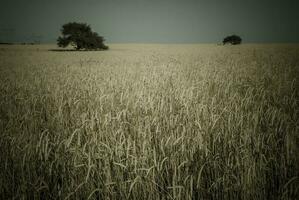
{"type": "Point", "coordinates": [149, 122]}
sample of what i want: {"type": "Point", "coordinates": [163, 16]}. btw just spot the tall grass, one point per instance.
{"type": "Point", "coordinates": [150, 122]}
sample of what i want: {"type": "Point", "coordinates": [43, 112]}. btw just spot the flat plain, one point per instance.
{"type": "Point", "coordinates": [149, 121]}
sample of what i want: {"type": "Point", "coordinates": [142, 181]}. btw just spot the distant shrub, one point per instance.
{"type": "Point", "coordinates": [233, 39]}
{"type": "Point", "coordinates": [80, 36]}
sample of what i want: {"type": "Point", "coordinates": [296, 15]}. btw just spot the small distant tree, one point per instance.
{"type": "Point", "coordinates": [80, 36]}
{"type": "Point", "coordinates": [233, 39]}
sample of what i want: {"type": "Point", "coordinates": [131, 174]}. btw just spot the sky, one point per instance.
{"type": "Point", "coordinates": [153, 21]}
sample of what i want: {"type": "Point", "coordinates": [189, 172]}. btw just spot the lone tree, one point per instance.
{"type": "Point", "coordinates": [80, 36]}
{"type": "Point", "coordinates": [233, 39]}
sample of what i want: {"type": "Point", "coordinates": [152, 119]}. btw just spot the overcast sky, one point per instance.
{"type": "Point", "coordinates": [157, 21]}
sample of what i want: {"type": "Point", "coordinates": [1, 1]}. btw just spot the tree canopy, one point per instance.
{"type": "Point", "coordinates": [81, 36]}
{"type": "Point", "coordinates": [232, 39]}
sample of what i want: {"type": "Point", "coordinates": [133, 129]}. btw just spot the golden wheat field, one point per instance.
{"type": "Point", "coordinates": [149, 121]}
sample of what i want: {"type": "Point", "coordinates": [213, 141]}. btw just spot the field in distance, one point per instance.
{"type": "Point", "coordinates": [149, 121]}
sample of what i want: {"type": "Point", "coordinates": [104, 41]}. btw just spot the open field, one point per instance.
{"type": "Point", "coordinates": [149, 122]}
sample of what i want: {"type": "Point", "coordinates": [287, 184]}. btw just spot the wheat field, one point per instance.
{"type": "Point", "coordinates": [150, 121]}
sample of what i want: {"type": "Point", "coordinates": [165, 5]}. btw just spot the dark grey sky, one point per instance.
{"type": "Point", "coordinates": [159, 21]}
